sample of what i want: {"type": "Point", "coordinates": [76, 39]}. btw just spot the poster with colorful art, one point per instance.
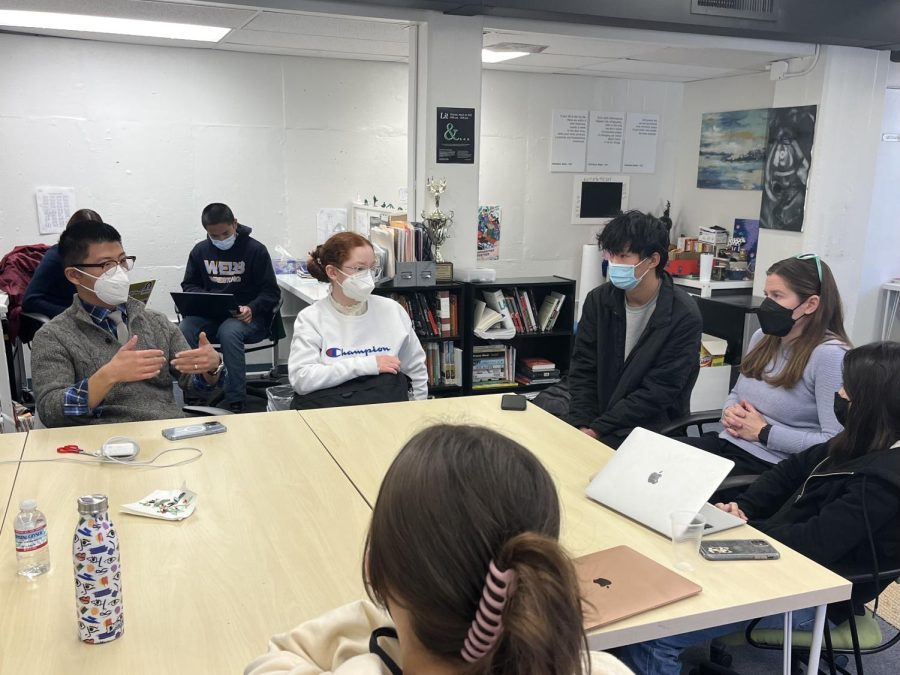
{"type": "Point", "coordinates": [488, 233]}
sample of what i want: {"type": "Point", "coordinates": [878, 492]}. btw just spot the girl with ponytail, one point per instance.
{"type": "Point", "coordinates": [463, 554]}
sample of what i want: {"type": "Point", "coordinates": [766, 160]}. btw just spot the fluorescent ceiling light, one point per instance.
{"type": "Point", "coordinates": [107, 24]}
{"type": "Point", "coordinates": [488, 56]}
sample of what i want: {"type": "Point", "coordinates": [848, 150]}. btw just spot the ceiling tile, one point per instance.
{"type": "Point", "coordinates": [316, 43]}
{"type": "Point", "coordinates": [629, 66]}
{"type": "Point", "coordinates": [148, 10]}
{"type": "Point", "coordinates": [311, 24]}
{"type": "Point", "coordinates": [719, 58]}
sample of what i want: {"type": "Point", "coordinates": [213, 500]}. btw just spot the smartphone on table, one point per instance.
{"type": "Point", "coordinates": [513, 402]}
{"type": "Point", "coordinates": [738, 549]}
{"type": "Point", "coordinates": [192, 430]}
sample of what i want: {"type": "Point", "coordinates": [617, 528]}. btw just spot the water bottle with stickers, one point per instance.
{"type": "Point", "coordinates": [98, 573]}
{"type": "Point", "coordinates": [32, 546]}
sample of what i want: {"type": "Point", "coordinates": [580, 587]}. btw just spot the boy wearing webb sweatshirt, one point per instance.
{"type": "Point", "coordinates": [229, 260]}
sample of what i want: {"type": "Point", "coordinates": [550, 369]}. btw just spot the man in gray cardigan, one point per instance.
{"type": "Point", "coordinates": [107, 358]}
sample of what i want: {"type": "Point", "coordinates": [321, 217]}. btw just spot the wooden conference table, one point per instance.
{"type": "Point", "coordinates": [732, 591]}
{"type": "Point", "coordinates": [277, 537]}
{"type": "Point", "coordinates": [278, 532]}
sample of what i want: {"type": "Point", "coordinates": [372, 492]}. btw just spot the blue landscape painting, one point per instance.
{"type": "Point", "coordinates": [732, 149]}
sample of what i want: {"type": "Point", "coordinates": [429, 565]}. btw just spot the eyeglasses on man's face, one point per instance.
{"type": "Point", "coordinates": [125, 262]}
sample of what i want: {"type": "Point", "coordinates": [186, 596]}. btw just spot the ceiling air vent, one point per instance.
{"type": "Point", "coordinates": [761, 10]}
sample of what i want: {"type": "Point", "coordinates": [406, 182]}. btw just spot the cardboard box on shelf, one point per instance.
{"type": "Point", "coordinates": [712, 351]}
{"type": "Point", "coordinates": [714, 235]}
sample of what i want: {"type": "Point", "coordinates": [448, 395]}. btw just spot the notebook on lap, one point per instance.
{"type": "Point", "coordinates": [619, 582]}
{"type": "Point", "coordinates": [141, 290]}
{"type": "Point", "coordinates": [217, 306]}
{"type": "Point", "coordinates": [650, 476]}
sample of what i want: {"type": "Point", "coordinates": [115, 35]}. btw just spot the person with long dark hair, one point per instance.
{"type": "Point", "coordinates": [463, 553]}
{"type": "Point", "coordinates": [782, 402]}
{"type": "Point", "coordinates": [837, 503]}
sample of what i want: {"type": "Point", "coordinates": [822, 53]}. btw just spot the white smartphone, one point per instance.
{"type": "Point", "coordinates": [738, 549]}
{"type": "Point", "coordinates": [191, 430]}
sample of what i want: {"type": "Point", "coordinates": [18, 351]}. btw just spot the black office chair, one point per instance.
{"type": "Point", "coordinates": [857, 636]}
{"type": "Point", "coordinates": [256, 386]}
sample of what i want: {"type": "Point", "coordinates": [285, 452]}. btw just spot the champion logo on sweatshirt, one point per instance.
{"type": "Point", "coordinates": [335, 352]}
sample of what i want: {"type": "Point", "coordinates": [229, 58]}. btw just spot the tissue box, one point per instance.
{"type": "Point", "coordinates": [714, 235]}
{"type": "Point", "coordinates": [284, 265]}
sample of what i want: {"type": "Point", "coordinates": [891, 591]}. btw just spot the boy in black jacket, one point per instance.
{"type": "Point", "coordinates": [637, 349]}
{"type": "Point", "coordinates": [229, 260]}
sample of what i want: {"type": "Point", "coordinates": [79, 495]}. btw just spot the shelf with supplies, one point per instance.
{"type": "Point", "coordinates": [520, 333]}
{"type": "Point", "coordinates": [437, 312]}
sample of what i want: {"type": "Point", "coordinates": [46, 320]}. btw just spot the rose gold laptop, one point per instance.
{"type": "Point", "coordinates": [620, 582]}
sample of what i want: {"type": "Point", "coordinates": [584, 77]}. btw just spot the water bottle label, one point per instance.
{"type": "Point", "coordinates": [31, 540]}
{"type": "Point", "coordinates": [98, 580]}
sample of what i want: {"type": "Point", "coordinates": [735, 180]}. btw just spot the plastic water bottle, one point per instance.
{"type": "Point", "coordinates": [98, 573]}
{"type": "Point", "coordinates": [32, 546]}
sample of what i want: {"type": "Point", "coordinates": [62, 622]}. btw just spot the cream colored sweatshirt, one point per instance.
{"type": "Point", "coordinates": [338, 643]}
{"type": "Point", "coordinates": [330, 348]}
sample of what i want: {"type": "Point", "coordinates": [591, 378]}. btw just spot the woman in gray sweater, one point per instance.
{"type": "Point", "coordinates": [783, 400]}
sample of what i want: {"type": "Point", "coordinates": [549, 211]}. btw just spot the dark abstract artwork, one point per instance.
{"type": "Point", "coordinates": [786, 170]}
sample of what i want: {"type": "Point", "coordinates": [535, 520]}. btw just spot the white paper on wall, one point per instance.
{"type": "Point", "coordinates": [641, 134]}
{"type": "Point", "coordinates": [329, 222]}
{"type": "Point", "coordinates": [606, 136]}
{"type": "Point", "coordinates": [55, 205]}
{"type": "Point", "coordinates": [568, 140]}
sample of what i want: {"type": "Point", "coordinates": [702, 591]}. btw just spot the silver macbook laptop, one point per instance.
{"type": "Point", "coordinates": [650, 476]}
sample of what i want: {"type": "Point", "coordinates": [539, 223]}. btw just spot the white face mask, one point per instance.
{"type": "Point", "coordinates": [358, 286]}
{"type": "Point", "coordinates": [112, 286]}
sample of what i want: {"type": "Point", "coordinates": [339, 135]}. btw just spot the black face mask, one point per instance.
{"type": "Point", "coordinates": [775, 319]}
{"type": "Point", "coordinates": [841, 406]}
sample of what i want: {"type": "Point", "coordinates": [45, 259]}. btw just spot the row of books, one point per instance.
{"type": "Point", "coordinates": [433, 313]}
{"type": "Point", "coordinates": [506, 312]}
{"type": "Point", "coordinates": [536, 370]}
{"type": "Point", "coordinates": [493, 366]}
{"type": "Point", "coordinates": [399, 241]}
{"type": "Point", "coordinates": [443, 360]}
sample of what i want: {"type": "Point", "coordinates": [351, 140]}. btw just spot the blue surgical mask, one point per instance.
{"type": "Point", "coordinates": [224, 244]}
{"type": "Point", "coordinates": [622, 276]}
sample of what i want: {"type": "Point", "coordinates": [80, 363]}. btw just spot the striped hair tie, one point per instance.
{"type": "Point", "coordinates": [488, 622]}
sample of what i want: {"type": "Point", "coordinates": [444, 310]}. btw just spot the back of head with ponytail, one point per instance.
{"type": "Point", "coordinates": [456, 499]}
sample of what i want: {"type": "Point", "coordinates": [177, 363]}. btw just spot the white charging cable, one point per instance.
{"type": "Point", "coordinates": [119, 450]}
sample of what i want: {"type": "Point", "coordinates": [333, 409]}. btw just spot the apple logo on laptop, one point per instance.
{"type": "Point", "coordinates": [654, 477]}
{"type": "Point", "coordinates": [602, 583]}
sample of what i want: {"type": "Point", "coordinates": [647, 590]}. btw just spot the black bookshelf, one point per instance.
{"type": "Point", "coordinates": [428, 338]}
{"type": "Point", "coordinates": [555, 344]}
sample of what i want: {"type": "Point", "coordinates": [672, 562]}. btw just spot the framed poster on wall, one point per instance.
{"type": "Point", "coordinates": [455, 136]}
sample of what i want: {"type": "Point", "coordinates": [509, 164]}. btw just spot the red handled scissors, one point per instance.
{"type": "Point", "coordinates": [71, 448]}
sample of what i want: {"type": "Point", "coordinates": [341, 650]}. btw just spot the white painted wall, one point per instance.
{"type": "Point", "coordinates": [848, 85]}
{"type": "Point", "coordinates": [694, 207]}
{"type": "Point", "coordinates": [536, 235]}
{"type": "Point", "coordinates": [881, 260]}
{"type": "Point", "coordinates": [148, 136]}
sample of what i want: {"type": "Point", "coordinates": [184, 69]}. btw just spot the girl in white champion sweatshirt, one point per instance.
{"type": "Point", "coordinates": [351, 333]}
{"type": "Point", "coordinates": [463, 555]}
